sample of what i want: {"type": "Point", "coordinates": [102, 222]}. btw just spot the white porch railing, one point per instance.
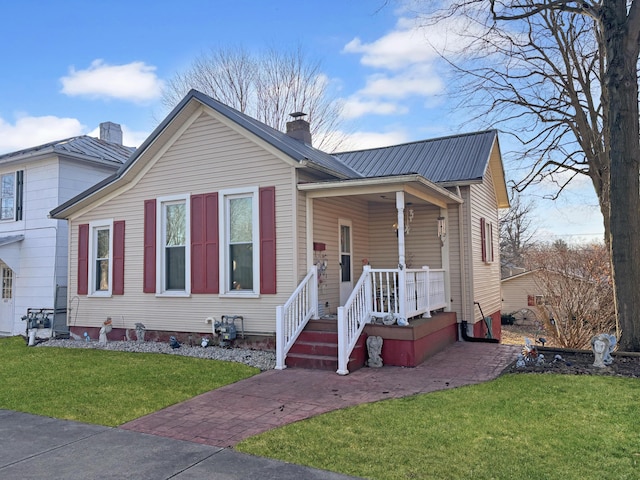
{"type": "Point", "coordinates": [424, 292]}
{"type": "Point", "coordinates": [352, 318]}
{"type": "Point", "coordinates": [292, 317]}
{"type": "Point", "coordinates": [375, 296]}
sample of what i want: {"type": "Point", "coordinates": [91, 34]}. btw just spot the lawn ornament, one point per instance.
{"type": "Point", "coordinates": [602, 346]}
{"type": "Point", "coordinates": [374, 349]}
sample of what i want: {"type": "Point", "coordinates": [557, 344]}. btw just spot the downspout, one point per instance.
{"type": "Point", "coordinates": [462, 324]}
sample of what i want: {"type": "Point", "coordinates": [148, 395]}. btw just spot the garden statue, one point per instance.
{"type": "Point", "coordinates": [140, 329]}
{"type": "Point", "coordinates": [602, 346]}
{"type": "Point", "coordinates": [104, 330]}
{"type": "Point", "coordinates": [374, 349]}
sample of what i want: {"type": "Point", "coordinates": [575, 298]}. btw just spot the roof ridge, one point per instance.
{"type": "Point", "coordinates": [426, 140]}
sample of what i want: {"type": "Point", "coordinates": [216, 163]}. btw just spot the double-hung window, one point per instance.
{"type": "Point", "coordinates": [174, 254]}
{"type": "Point", "coordinates": [7, 196]}
{"type": "Point", "coordinates": [486, 237]}
{"type": "Point", "coordinates": [100, 257]}
{"type": "Point", "coordinates": [239, 219]}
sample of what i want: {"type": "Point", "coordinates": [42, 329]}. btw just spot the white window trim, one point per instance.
{"type": "Point", "coordinates": [160, 271]}
{"type": "Point", "coordinates": [93, 227]}
{"type": "Point", "coordinates": [224, 195]}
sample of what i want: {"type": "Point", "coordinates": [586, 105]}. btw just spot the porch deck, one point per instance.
{"type": "Point", "coordinates": [410, 345]}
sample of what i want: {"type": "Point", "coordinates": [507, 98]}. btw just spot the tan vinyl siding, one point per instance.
{"type": "Point", "coordinates": [486, 276]}
{"type": "Point", "coordinates": [515, 292]}
{"type": "Point", "coordinates": [207, 157]}
{"type": "Point", "coordinates": [422, 246]}
{"type": "Point", "coordinates": [327, 212]}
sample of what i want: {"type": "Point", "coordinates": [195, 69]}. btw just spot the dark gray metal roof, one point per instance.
{"type": "Point", "coordinates": [82, 146]}
{"type": "Point", "coordinates": [457, 158]}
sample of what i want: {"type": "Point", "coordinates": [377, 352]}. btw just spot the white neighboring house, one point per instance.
{"type": "Point", "coordinates": [34, 247]}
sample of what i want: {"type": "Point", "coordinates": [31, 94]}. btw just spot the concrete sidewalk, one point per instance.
{"type": "Point", "coordinates": [227, 415]}
{"type": "Point", "coordinates": [34, 447]}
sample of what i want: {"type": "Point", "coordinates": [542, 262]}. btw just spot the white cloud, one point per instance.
{"type": "Point", "coordinates": [355, 107]}
{"type": "Point", "coordinates": [412, 42]}
{"type": "Point", "coordinates": [364, 140]}
{"type": "Point", "coordinates": [416, 80]}
{"type": "Point", "coordinates": [32, 131]}
{"type": "Point", "coordinates": [136, 81]}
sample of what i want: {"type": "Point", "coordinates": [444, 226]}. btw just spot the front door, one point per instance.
{"type": "Point", "coordinates": [346, 263]}
{"type": "Point", "coordinates": [6, 302]}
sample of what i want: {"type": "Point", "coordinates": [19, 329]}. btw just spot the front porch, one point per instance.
{"type": "Point", "coordinates": [410, 333]}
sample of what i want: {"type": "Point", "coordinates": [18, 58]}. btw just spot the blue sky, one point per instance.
{"type": "Point", "coordinates": [69, 65]}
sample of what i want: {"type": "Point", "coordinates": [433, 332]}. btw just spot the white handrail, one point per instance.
{"type": "Point", "coordinates": [352, 318]}
{"type": "Point", "coordinates": [292, 317]}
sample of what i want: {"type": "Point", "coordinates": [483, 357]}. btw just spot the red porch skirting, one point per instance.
{"type": "Point", "coordinates": [411, 345]}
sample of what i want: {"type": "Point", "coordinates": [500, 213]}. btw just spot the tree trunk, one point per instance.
{"type": "Point", "coordinates": [622, 82]}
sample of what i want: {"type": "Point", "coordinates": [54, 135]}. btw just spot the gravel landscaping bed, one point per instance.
{"type": "Point", "coordinates": [262, 359]}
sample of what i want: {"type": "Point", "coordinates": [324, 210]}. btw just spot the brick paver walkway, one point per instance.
{"type": "Point", "coordinates": [225, 416]}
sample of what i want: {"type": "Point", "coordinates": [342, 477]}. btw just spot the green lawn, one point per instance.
{"type": "Point", "coordinates": [518, 426]}
{"type": "Point", "coordinates": [103, 387]}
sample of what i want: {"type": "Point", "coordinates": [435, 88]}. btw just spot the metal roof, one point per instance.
{"type": "Point", "coordinates": [82, 146]}
{"type": "Point", "coordinates": [457, 158]}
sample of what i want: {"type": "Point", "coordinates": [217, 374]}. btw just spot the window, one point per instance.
{"type": "Point", "coordinates": [11, 195]}
{"type": "Point", "coordinates": [486, 237]}
{"type": "Point", "coordinates": [100, 257]}
{"type": "Point", "coordinates": [7, 283]}
{"type": "Point", "coordinates": [240, 220]}
{"type": "Point", "coordinates": [174, 252]}
{"type": "Point", "coordinates": [7, 192]}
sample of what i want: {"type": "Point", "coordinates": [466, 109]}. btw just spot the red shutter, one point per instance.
{"type": "Point", "coordinates": [483, 239]}
{"type": "Point", "coordinates": [531, 301]}
{"type": "Point", "coordinates": [267, 240]}
{"type": "Point", "coordinates": [83, 259]}
{"type": "Point", "coordinates": [491, 240]}
{"type": "Point", "coordinates": [204, 243]}
{"type": "Point", "coordinates": [118, 258]}
{"type": "Point", "coordinates": [149, 280]}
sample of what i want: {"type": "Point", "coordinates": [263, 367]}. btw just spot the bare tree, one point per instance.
{"type": "Point", "coordinates": [563, 73]}
{"type": "Point", "coordinates": [578, 293]}
{"type": "Point", "coordinates": [516, 232]}
{"type": "Point", "coordinates": [267, 86]}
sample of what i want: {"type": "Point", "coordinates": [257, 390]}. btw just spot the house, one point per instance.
{"type": "Point", "coordinates": [521, 294]}
{"type": "Point", "coordinates": [33, 247]}
{"type": "Point", "coordinates": [217, 216]}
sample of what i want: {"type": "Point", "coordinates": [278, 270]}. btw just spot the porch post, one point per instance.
{"type": "Point", "coordinates": [402, 274]}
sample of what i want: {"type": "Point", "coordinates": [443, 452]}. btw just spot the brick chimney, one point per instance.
{"type": "Point", "coordinates": [111, 132]}
{"type": "Point", "coordinates": [299, 128]}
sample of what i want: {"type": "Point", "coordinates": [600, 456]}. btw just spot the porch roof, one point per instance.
{"type": "Point", "coordinates": [415, 185]}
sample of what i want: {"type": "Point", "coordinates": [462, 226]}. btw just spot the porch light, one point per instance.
{"type": "Point", "coordinates": [408, 218]}
{"type": "Point", "coordinates": [442, 229]}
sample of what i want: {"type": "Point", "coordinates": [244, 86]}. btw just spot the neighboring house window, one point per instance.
{"type": "Point", "coordinates": [11, 187]}
{"type": "Point", "coordinates": [101, 258]}
{"type": "Point", "coordinates": [241, 248]}
{"type": "Point", "coordinates": [7, 283]}
{"type": "Point", "coordinates": [486, 236]}
{"type": "Point", "coordinates": [173, 234]}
